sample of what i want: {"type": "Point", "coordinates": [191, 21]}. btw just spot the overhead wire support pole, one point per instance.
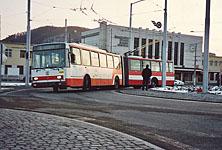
{"type": "Point", "coordinates": [1, 51]}
{"type": "Point", "coordinates": [206, 46]}
{"type": "Point", "coordinates": [130, 24]}
{"type": "Point", "coordinates": [164, 50]}
{"type": "Point", "coordinates": [195, 64]}
{"type": "Point", "coordinates": [28, 43]}
{"type": "Point", "coordinates": [66, 31]}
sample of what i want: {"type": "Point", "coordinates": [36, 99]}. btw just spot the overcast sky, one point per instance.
{"type": "Point", "coordinates": [183, 15]}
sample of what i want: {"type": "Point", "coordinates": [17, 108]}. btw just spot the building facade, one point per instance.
{"type": "Point", "coordinates": [215, 69]}
{"type": "Point", "coordinates": [14, 67]}
{"type": "Point", "coordinates": [183, 49]}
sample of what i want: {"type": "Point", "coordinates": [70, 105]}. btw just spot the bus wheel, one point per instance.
{"type": "Point", "coordinates": [116, 83]}
{"type": "Point", "coordinates": [86, 83]}
{"type": "Point", "coordinates": [154, 82]}
{"type": "Point", "coordinates": [55, 89]}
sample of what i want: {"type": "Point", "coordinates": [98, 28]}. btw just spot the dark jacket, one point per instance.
{"type": "Point", "coordinates": [146, 73]}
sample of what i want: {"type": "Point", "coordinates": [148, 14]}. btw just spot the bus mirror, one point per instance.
{"type": "Point", "coordinates": [73, 58]}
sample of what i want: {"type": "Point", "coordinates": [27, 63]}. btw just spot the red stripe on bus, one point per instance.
{"type": "Point", "coordinates": [153, 73]}
{"type": "Point", "coordinates": [74, 82]}
{"type": "Point", "coordinates": [47, 78]}
{"type": "Point", "coordinates": [71, 82]}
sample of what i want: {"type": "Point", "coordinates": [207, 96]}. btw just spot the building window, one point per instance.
{"type": "Point", "coordinates": [211, 63]}
{"type": "Point", "coordinates": [21, 70]}
{"type": "Point", "coordinates": [182, 54]}
{"type": "Point", "coordinates": [143, 50]}
{"type": "Point", "coordinates": [150, 48]}
{"type": "Point", "coordinates": [22, 53]}
{"type": "Point", "coordinates": [8, 52]}
{"type": "Point", "coordinates": [176, 53]}
{"type": "Point", "coordinates": [6, 68]}
{"type": "Point", "coordinates": [211, 76]}
{"type": "Point", "coordinates": [157, 49]}
{"type": "Point", "coordinates": [169, 50]}
{"type": "Point", "coordinates": [136, 46]}
{"type": "Point", "coordinates": [215, 63]}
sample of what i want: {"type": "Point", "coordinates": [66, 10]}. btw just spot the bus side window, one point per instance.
{"type": "Point", "coordinates": [146, 62]}
{"type": "Point", "coordinates": [102, 60]}
{"type": "Point", "coordinates": [75, 56]}
{"type": "Point", "coordinates": [86, 58]}
{"type": "Point", "coordinates": [116, 62]}
{"type": "Point", "coordinates": [156, 66]}
{"type": "Point", "coordinates": [135, 65]}
{"type": "Point", "coordinates": [110, 61]}
{"type": "Point", "coordinates": [95, 59]}
{"type": "Point", "coordinates": [170, 67]}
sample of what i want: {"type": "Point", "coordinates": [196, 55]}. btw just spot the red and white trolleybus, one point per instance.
{"type": "Point", "coordinates": [133, 71]}
{"type": "Point", "coordinates": [62, 65]}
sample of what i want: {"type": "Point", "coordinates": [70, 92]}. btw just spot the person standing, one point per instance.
{"type": "Point", "coordinates": [146, 74]}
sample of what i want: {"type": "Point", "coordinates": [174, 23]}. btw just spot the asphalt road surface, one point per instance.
{"type": "Point", "coordinates": [168, 123]}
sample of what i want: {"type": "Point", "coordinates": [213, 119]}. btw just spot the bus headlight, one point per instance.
{"type": "Point", "coordinates": [35, 78]}
{"type": "Point", "coordinates": [59, 77]}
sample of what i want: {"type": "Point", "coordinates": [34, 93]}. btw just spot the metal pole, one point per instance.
{"type": "Point", "coordinates": [0, 27]}
{"type": "Point", "coordinates": [164, 47]}
{"type": "Point", "coordinates": [130, 27]}
{"type": "Point", "coordinates": [111, 36]}
{"type": "Point", "coordinates": [66, 31]}
{"type": "Point", "coordinates": [28, 43]}
{"type": "Point", "coordinates": [206, 47]}
{"type": "Point", "coordinates": [1, 51]}
{"type": "Point", "coordinates": [130, 45]}
{"type": "Point", "coordinates": [195, 64]}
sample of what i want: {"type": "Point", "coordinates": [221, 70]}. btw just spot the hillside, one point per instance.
{"type": "Point", "coordinates": [48, 34]}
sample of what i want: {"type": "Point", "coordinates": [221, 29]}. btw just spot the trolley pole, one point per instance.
{"type": "Point", "coordinates": [28, 43]}
{"type": "Point", "coordinates": [206, 47]}
{"type": "Point", "coordinates": [164, 50]}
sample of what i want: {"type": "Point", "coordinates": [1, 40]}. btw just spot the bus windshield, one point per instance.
{"type": "Point", "coordinates": [48, 59]}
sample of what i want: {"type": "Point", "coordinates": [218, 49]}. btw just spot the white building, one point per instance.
{"type": "Point", "coordinates": [181, 47]}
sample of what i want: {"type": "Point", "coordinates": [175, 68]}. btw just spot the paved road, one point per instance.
{"type": "Point", "coordinates": [28, 130]}
{"type": "Point", "coordinates": [183, 124]}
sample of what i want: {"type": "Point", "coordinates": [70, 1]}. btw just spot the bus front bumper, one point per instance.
{"type": "Point", "coordinates": [60, 84]}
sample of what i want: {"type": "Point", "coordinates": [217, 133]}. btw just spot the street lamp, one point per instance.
{"type": "Point", "coordinates": [130, 23]}
{"type": "Point", "coordinates": [194, 49]}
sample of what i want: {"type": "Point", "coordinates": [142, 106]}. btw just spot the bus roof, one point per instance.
{"type": "Point", "coordinates": [77, 45]}
{"type": "Point", "coordinates": [141, 58]}
{"type": "Point", "coordinates": [91, 48]}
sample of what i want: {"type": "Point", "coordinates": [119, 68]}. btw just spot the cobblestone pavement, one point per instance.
{"type": "Point", "coordinates": [30, 130]}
